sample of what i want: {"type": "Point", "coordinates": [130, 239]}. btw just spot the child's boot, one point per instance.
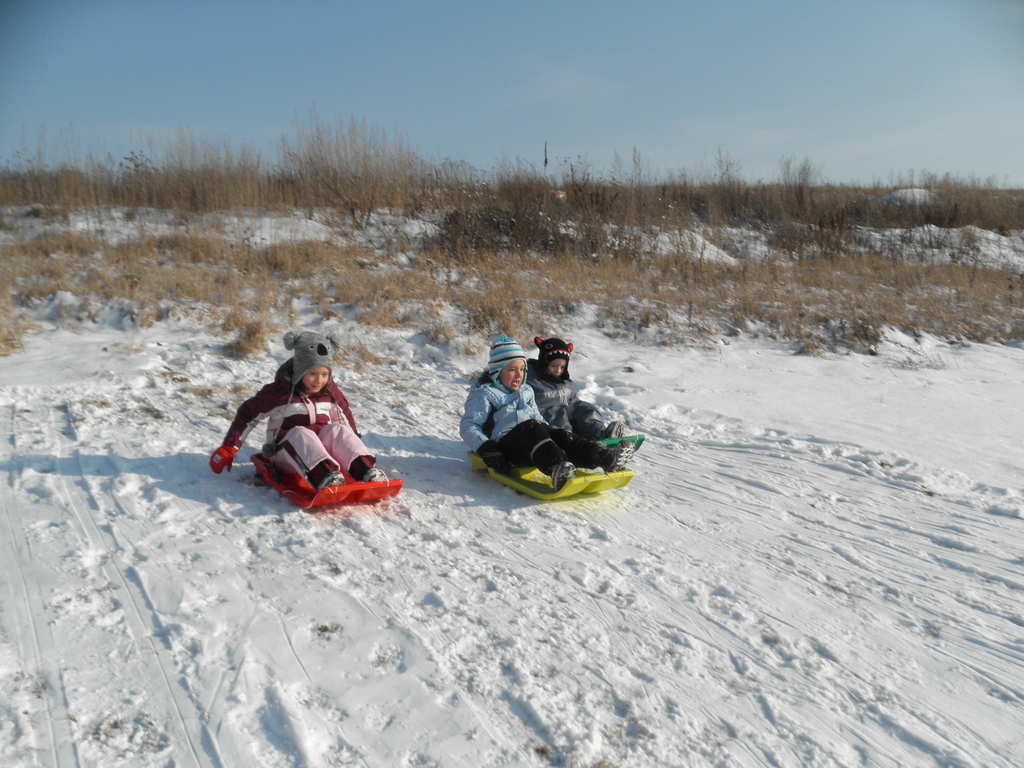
{"type": "Point", "coordinates": [617, 456]}
{"type": "Point", "coordinates": [364, 473]}
{"type": "Point", "coordinates": [561, 473]}
{"type": "Point", "coordinates": [322, 475]}
{"type": "Point", "coordinates": [614, 429]}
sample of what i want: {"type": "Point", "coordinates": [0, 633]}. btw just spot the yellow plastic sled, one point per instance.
{"type": "Point", "coordinates": [533, 482]}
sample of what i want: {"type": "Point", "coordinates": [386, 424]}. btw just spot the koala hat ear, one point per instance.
{"type": "Point", "coordinates": [289, 339]}
{"type": "Point", "coordinates": [333, 341]}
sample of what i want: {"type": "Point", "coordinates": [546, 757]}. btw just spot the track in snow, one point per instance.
{"type": "Point", "coordinates": [753, 598]}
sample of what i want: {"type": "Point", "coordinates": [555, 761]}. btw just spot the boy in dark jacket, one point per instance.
{"type": "Point", "coordinates": [311, 430]}
{"type": "Point", "coordinates": [556, 396]}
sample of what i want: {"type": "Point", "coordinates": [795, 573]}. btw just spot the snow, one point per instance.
{"type": "Point", "coordinates": [400, 238]}
{"type": "Point", "coordinates": [669, 242]}
{"type": "Point", "coordinates": [818, 563]}
{"type": "Point", "coordinates": [907, 196]}
{"type": "Point", "coordinates": [934, 245]}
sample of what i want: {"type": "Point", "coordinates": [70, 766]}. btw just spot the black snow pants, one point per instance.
{"type": "Point", "coordinates": [535, 444]}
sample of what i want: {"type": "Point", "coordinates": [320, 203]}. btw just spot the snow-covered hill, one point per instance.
{"type": "Point", "coordinates": [392, 235]}
{"type": "Point", "coordinates": [819, 563]}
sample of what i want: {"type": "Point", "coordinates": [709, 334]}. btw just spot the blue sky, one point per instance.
{"type": "Point", "coordinates": [867, 91]}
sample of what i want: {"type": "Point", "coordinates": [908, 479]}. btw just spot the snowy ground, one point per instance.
{"type": "Point", "coordinates": [819, 563]}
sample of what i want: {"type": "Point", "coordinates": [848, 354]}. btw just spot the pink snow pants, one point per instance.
{"type": "Point", "coordinates": [302, 448]}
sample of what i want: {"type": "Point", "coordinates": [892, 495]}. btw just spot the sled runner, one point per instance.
{"type": "Point", "coordinates": [533, 482]}
{"type": "Point", "coordinates": [302, 494]}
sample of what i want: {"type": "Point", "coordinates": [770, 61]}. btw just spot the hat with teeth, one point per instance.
{"type": "Point", "coordinates": [553, 349]}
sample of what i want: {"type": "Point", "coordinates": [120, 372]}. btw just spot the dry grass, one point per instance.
{"type": "Point", "coordinates": [517, 249]}
{"type": "Point", "coordinates": [823, 303]}
{"type": "Point", "coordinates": [12, 326]}
{"type": "Point", "coordinates": [357, 357]}
{"type": "Point", "coordinates": [252, 334]}
{"type": "Point", "coordinates": [354, 169]}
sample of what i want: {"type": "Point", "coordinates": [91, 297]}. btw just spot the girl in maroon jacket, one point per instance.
{"type": "Point", "coordinates": [311, 431]}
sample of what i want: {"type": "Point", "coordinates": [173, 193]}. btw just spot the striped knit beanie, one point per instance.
{"type": "Point", "coordinates": [503, 351]}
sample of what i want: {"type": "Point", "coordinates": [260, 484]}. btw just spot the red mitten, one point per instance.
{"type": "Point", "coordinates": [222, 458]}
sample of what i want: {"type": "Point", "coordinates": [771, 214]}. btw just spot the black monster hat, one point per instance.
{"type": "Point", "coordinates": [552, 349]}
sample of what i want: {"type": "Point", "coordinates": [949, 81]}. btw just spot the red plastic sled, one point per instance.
{"type": "Point", "coordinates": [302, 494]}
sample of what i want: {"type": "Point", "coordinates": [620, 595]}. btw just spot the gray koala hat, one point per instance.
{"type": "Point", "coordinates": [310, 349]}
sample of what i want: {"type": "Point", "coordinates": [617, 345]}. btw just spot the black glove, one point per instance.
{"type": "Point", "coordinates": [491, 455]}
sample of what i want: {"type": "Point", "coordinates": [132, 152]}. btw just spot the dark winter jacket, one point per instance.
{"type": "Point", "coordinates": [559, 404]}
{"type": "Point", "coordinates": [286, 406]}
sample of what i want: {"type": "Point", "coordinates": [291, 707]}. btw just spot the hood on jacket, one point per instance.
{"type": "Point", "coordinates": [486, 378]}
{"type": "Point", "coordinates": [284, 374]}
{"type": "Point", "coordinates": [538, 370]}
{"type": "Point", "coordinates": [552, 349]}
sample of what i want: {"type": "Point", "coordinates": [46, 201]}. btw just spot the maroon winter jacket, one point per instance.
{"type": "Point", "coordinates": [287, 406]}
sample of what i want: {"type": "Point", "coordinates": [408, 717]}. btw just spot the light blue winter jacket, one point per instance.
{"type": "Point", "coordinates": [508, 409]}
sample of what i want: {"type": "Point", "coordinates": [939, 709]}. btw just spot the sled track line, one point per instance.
{"type": "Point", "coordinates": [27, 601]}
{"type": "Point", "coordinates": [606, 612]}
{"type": "Point", "coordinates": [259, 604]}
{"type": "Point", "coordinates": [432, 639]}
{"type": "Point", "coordinates": [92, 534]}
{"type": "Point", "coordinates": [31, 598]}
{"type": "Point", "coordinates": [775, 494]}
{"type": "Point", "coordinates": [37, 651]}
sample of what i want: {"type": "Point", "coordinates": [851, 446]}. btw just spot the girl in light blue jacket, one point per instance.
{"type": "Point", "coordinates": [502, 424]}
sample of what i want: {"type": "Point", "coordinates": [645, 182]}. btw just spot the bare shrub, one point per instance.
{"type": "Point", "coordinates": [252, 335]}
{"type": "Point", "coordinates": [487, 229]}
{"type": "Point", "coordinates": [306, 260]}
{"type": "Point", "coordinates": [12, 326]}
{"type": "Point", "coordinates": [180, 249]}
{"type": "Point", "coordinates": [355, 168]}
{"type": "Point", "coordinates": [358, 357]}
{"type": "Point", "coordinates": [439, 333]}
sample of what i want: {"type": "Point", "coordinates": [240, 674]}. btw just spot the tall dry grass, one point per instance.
{"type": "Point", "coordinates": [13, 326]}
{"type": "Point", "coordinates": [355, 168]}
{"type": "Point", "coordinates": [518, 249]}
{"type": "Point", "coordinates": [245, 292]}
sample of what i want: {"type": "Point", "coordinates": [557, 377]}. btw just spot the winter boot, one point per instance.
{"type": "Point", "coordinates": [618, 456]}
{"type": "Point", "coordinates": [322, 475]}
{"type": "Point", "coordinates": [361, 470]}
{"type": "Point", "coordinates": [561, 474]}
{"type": "Point", "coordinates": [332, 478]}
{"type": "Point", "coordinates": [614, 429]}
